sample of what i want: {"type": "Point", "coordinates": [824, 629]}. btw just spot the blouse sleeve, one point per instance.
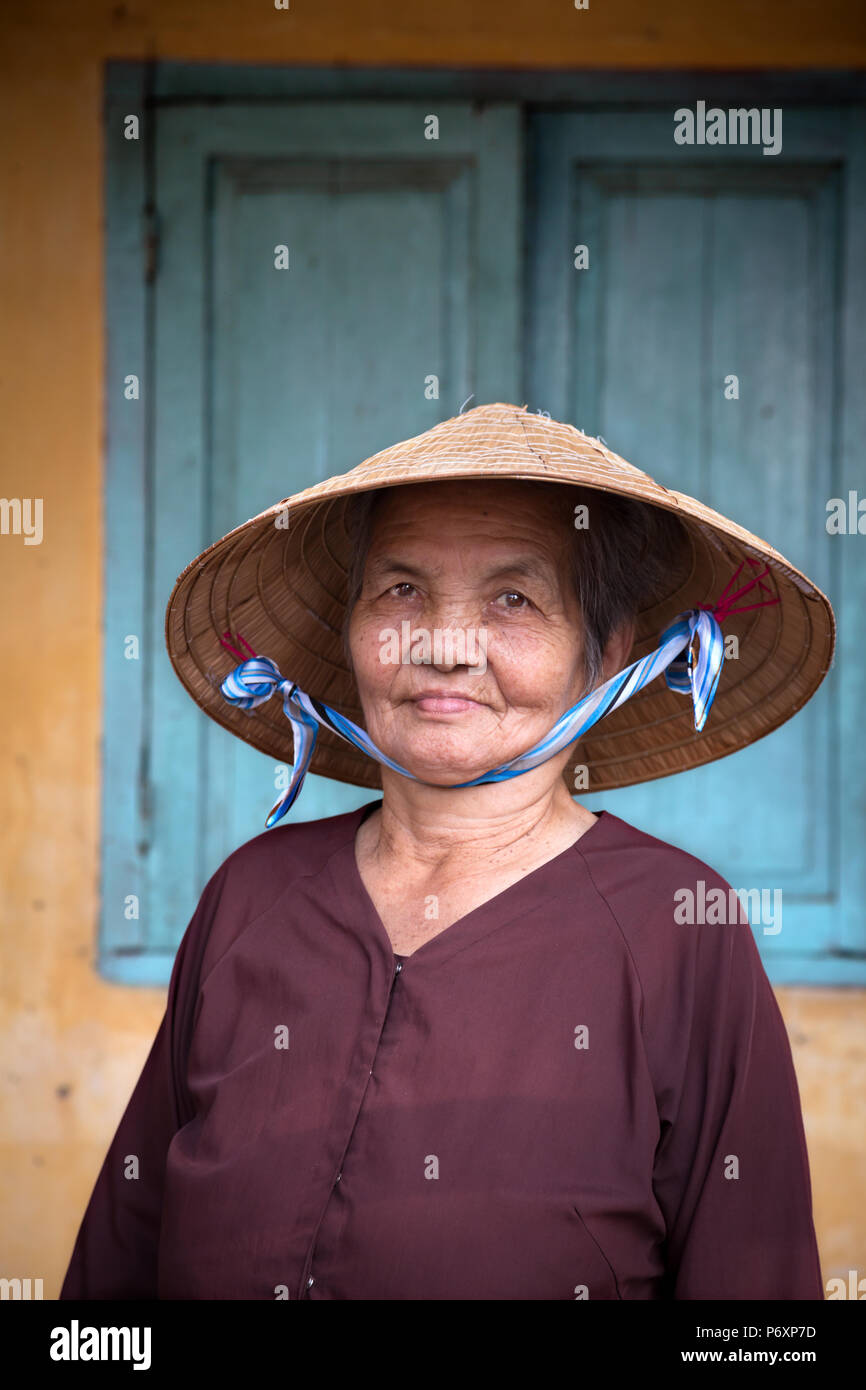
{"type": "Point", "coordinates": [116, 1252]}
{"type": "Point", "coordinates": [732, 1169]}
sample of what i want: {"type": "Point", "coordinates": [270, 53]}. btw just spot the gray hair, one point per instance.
{"type": "Point", "coordinates": [620, 564]}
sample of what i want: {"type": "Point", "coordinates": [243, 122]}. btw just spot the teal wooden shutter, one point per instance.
{"type": "Point", "coordinates": [707, 262]}
{"type": "Point", "coordinates": [403, 264]}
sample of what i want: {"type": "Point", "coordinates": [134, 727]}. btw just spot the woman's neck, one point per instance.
{"type": "Point", "coordinates": [472, 829]}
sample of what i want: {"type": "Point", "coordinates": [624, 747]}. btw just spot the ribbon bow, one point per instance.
{"type": "Point", "coordinates": [256, 678]}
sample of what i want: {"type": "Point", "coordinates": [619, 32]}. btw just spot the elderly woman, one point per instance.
{"type": "Point", "coordinates": [463, 1043]}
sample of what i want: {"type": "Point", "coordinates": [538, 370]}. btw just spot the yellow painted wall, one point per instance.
{"type": "Point", "coordinates": [72, 1045]}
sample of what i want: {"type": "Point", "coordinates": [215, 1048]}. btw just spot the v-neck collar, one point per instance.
{"type": "Point", "coordinates": [519, 898]}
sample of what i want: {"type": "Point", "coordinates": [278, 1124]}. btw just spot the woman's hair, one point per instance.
{"type": "Point", "coordinates": [619, 563]}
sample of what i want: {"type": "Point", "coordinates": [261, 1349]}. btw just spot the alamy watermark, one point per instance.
{"type": "Point", "coordinates": [20, 1289]}
{"type": "Point", "coordinates": [736, 126]}
{"type": "Point", "coordinates": [22, 516]}
{"type": "Point", "coordinates": [717, 906]}
{"type": "Point", "coordinates": [76, 1343]}
{"type": "Point", "coordinates": [442, 647]}
{"type": "Point", "coordinates": [855, 1288]}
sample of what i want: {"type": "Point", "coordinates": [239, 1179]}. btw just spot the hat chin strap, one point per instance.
{"type": "Point", "coordinates": [255, 680]}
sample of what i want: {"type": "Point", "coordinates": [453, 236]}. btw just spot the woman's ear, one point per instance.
{"type": "Point", "coordinates": [618, 649]}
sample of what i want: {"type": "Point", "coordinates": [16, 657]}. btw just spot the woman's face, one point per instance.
{"type": "Point", "coordinates": [486, 563]}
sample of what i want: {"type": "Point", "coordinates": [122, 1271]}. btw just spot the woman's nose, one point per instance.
{"type": "Point", "coordinates": [456, 641]}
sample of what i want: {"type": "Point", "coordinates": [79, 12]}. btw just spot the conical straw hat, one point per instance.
{"type": "Point", "coordinates": [280, 580]}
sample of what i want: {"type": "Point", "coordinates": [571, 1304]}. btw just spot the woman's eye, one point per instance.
{"type": "Point", "coordinates": [512, 594]}
{"type": "Point", "coordinates": [403, 585]}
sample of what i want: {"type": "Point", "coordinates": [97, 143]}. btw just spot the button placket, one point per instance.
{"type": "Point", "coordinates": [396, 972]}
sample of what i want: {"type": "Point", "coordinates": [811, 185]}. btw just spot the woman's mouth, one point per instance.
{"type": "Point", "coordinates": [438, 702]}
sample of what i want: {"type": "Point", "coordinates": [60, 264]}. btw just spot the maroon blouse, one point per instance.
{"type": "Point", "coordinates": [565, 1094]}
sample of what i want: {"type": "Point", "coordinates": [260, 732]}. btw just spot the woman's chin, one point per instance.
{"type": "Point", "coordinates": [448, 768]}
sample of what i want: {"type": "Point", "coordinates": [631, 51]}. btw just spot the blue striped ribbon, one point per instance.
{"type": "Point", "coordinates": [256, 680]}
